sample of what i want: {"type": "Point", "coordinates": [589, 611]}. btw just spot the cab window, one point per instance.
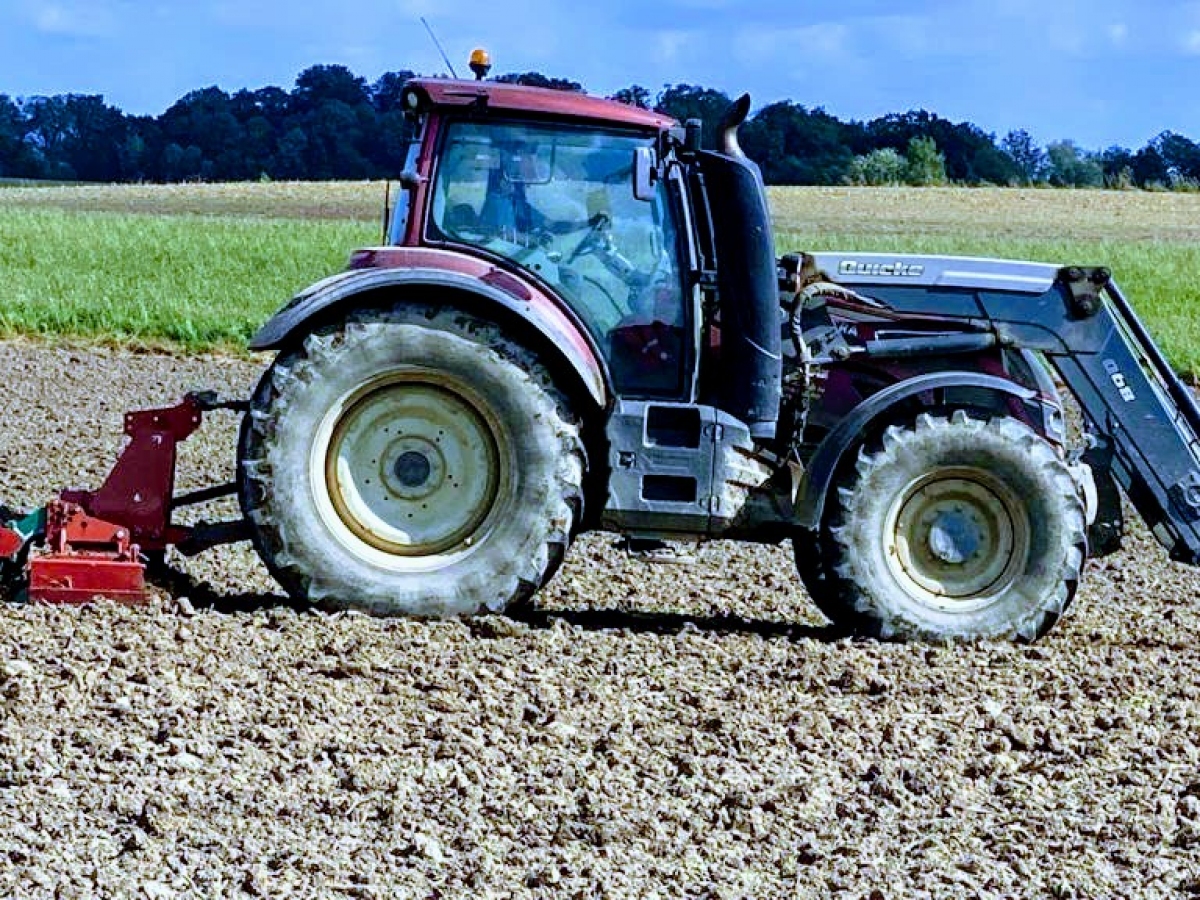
{"type": "Point", "coordinates": [558, 201]}
{"type": "Point", "coordinates": [398, 221]}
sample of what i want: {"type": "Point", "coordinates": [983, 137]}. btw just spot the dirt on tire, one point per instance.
{"type": "Point", "coordinates": [646, 730]}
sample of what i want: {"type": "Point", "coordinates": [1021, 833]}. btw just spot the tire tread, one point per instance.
{"type": "Point", "coordinates": [369, 331]}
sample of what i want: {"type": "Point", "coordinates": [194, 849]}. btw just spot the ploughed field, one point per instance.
{"type": "Point", "coordinates": [647, 731]}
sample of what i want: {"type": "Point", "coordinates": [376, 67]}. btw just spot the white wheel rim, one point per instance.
{"type": "Point", "coordinates": [957, 538]}
{"type": "Point", "coordinates": [411, 466]}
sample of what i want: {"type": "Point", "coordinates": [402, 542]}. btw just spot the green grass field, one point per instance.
{"type": "Point", "coordinates": [200, 266]}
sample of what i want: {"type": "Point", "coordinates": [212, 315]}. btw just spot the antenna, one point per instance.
{"type": "Point", "coordinates": [439, 46]}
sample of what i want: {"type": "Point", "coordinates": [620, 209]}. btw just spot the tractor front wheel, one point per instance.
{"type": "Point", "coordinates": [950, 528]}
{"type": "Point", "coordinates": [411, 461]}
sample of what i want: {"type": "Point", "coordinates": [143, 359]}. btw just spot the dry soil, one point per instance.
{"type": "Point", "coordinates": [649, 731]}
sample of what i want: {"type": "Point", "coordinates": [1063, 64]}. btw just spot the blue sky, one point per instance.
{"type": "Point", "coordinates": [1100, 72]}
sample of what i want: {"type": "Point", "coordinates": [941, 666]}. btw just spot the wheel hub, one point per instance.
{"type": "Point", "coordinates": [412, 466]}
{"type": "Point", "coordinates": [957, 538]}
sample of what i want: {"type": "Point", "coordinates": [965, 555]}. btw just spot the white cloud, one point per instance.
{"type": "Point", "coordinates": [669, 44]}
{"type": "Point", "coordinates": [412, 9]}
{"type": "Point", "coordinates": [910, 35]}
{"type": "Point", "coordinates": [1191, 43]}
{"type": "Point", "coordinates": [764, 47]}
{"type": "Point", "coordinates": [73, 19]}
{"type": "Point", "coordinates": [853, 40]}
{"type": "Point", "coordinates": [1118, 32]}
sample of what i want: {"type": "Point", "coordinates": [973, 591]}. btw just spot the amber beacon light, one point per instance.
{"type": "Point", "coordinates": [480, 63]}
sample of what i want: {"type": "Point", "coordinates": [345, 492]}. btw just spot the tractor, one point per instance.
{"type": "Point", "coordinates": [577, 320]}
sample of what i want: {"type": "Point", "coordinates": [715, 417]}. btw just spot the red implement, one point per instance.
{"type": "Point", "coordinates": [94, 539]}
{"type": "Point", "coordinates": [86, 558]}
{"type": "Point", "coordinates": [10, 543]}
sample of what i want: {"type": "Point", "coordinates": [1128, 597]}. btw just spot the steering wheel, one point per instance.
{"type": "Point", "coordinates": [594, 240]}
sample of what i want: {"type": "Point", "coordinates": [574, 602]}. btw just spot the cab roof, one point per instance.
{"type": "Point", "coordinates": [519, 98]}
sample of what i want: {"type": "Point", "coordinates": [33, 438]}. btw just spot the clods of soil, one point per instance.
{"type": "Point", "coordinates": [647, 731]}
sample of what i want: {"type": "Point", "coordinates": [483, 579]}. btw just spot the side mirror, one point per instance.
{"type": "Point", "coordinates": [644, 173]}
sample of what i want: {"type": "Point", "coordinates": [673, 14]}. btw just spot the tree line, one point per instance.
{"type": "Point", "coordinates": [333, 124]}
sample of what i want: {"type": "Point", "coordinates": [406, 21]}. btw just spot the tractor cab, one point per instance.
{"type": "Point", "coordinates": [611, 212]}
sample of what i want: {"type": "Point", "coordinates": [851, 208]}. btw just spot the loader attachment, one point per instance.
{"type": "Point", "coordinates": [1140, 412]}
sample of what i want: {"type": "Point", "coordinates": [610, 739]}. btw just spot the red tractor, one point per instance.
{"type": "Point", "coordinates": [579, 321]}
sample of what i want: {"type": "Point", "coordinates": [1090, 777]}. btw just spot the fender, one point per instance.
{"type": "Point", "coordinates": [810, 506]}
{"type": "Point", "coordinates": [555, 331]}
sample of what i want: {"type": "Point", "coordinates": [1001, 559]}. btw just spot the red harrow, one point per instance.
{"type": "Point", "coordinates": [88, 544]}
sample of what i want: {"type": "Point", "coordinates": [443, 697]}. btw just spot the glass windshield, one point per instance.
{"type": "Point", "coordinates": [559, 202]}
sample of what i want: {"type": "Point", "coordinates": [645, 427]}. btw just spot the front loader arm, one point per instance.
{"type": "Point", "coordinates": [1138, 411]}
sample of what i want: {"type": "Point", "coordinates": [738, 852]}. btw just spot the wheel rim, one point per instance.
{"type": "Point", "coordinates": [957, 538]}
{"type": "Point", "coordinates": [412, 466]}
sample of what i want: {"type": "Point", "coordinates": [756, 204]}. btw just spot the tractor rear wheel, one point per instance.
{"type": "Point", "coordinates": [950, 528]}
{"type": "Point", "coordinates": [410, 461]}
